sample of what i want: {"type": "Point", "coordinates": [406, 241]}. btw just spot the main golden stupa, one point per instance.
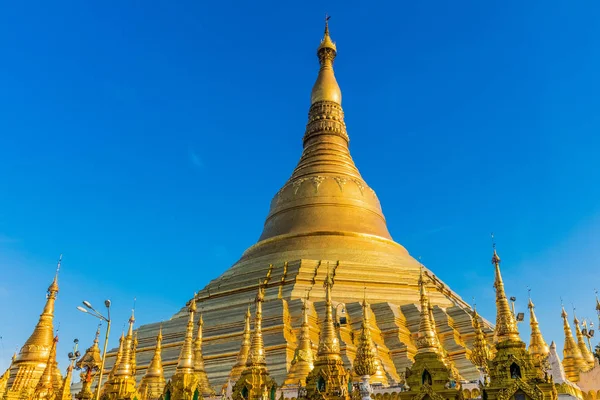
{"type": "Point", "coordinates": [325, 219]}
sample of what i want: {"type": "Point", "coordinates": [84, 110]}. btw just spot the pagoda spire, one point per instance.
{"type": "Point", "coordinates": [48, 386]}
{"type": "Point", "coordinates": [118, 357]}
{"type": "Point", "coordinates": [480, 353]}
{"type": "Point", "coordinates": [185, 364]}
{"type": "Point", "coordinates": [125, 367]}
{"type": "Point", "coordinates": [587, 355]}
{"type": "Point", "coordinates": [326, 87]}
{"type": "Point", "coordinates": [303, 361]}
{"type": "Point", "coordinates": [326, 192]}
{"type": "Point", "coordinates": [184, 383]}
{"type": "Point", "coordinates": [537, 345]}
{"type": "Point", "coordinates": [30, 363]}
{"type": "Point", "coordinates": [506, 325]}
{"type": "Point", "coordinates": [256, 356]}
{"type": "Point", "coordinates": [427, 339]}
{"type": "Point", "coordinates": [242, 357]}
{"type": "Point", "coordinates": [37, 347]}
{"type": "Point", "coordinates": [199, 368]}
{"type": "Point", "coordinates": [328, 377]}
{"type": "Point", "coordinates": [573, 361]}
{"type": "Point", "coordinates": [255, 382]}
{"type": "Point", "coordinates": [153, 382]}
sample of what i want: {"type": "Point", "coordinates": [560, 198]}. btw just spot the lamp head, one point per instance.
{"type": "Point", "coordinates": [107, 303]}
{"type": "Point", "coordinates": [82, 309]}
{"type": "Point", "coordinates": [87, 304]}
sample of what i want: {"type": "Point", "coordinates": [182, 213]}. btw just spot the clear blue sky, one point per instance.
{"type": "Point", "coordinates": [145, 139]}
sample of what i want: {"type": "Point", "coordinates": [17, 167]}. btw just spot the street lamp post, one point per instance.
{"type": "Point", "coordinates": [88, 309]}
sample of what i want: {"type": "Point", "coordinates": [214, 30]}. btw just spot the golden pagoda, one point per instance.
{"type": "Point", "coordinates": [118, 357]}
{"type": "Point", "coordinates": [242, 356]}
{"type": "Point", "coordinates": [122, 384]}
{"type": "Point", "coordinates": [513, 370]}
{"type": "Point", "coordinates": [328, 380]}
{"type": "Point", "coordinates": [303, 361]}
{"type": "Point", "coordinates": [325, 214]}
{"type": "Point", "coordinates": [31, 362]}
{"type": "Point", "coordinates": [199, 369]}
{"type": "Point", "coordinates": [184, 383]}
{"type": "Point", "coordinates": [537, 345]}
{"type": "Point", "coordinates": [480, 353]}
{"type": "Point", "coordinates": [255, 382]}
{"type": "Point", "coordinates": [430, 375]}
{"type": "Point", "coordinates": [153, 383]}
{"type": "Point", "coordinates": [366, 352]}
{"type": "Point", "coordinates": [573, 360]}
{"type": "Point", "coordinates": [586, 354]}
{"type": "Point", "coordinates": [48, 385]}
{"type": "Point", "coordinates": [89, 364]}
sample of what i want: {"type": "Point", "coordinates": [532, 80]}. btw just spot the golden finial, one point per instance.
{"type": "Point", "coordinates": [506, 325]}
{"type": "Point", "coordinates": [53, 289]}
{"type": "Point", "coordinates": [537, 345]}
{"type": "Point", "coordinates": [365, 363]}
{"type": "Point", "coordinates": [326, 87]}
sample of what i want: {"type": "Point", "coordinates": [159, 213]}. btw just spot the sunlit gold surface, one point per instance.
{"type": "Point", "coordinates": [122, 384]}
{"type": "Point", "coordinates": [324, 216]}
{"type": "Point", "coordinates": [537, 345]}
{"type": "Point", "coordinates": [328, 379]}
{"type": "Point", "coordinates": [255, 382]}
{"type": "Point", "coordinates": [153, 383]}
{"type": "Point", "coordinates": [184, 383]}
{"type": "Point", "coordinates": [199, 369]}
{"type": "Point", "coordinates": [480, 353]}
{"type": "Point", "coordinates": [27, 368]}
{"type": "Point", "coordinates": [573, 360]}
{"type": "Point", "coordinates": [513, 368]}
{"type": "Point", "coordinates": [303, 361]}
{"type": "Point", "coordinates": [48, 385]}
{"type": "Point", "coordinates": [586, 354]}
